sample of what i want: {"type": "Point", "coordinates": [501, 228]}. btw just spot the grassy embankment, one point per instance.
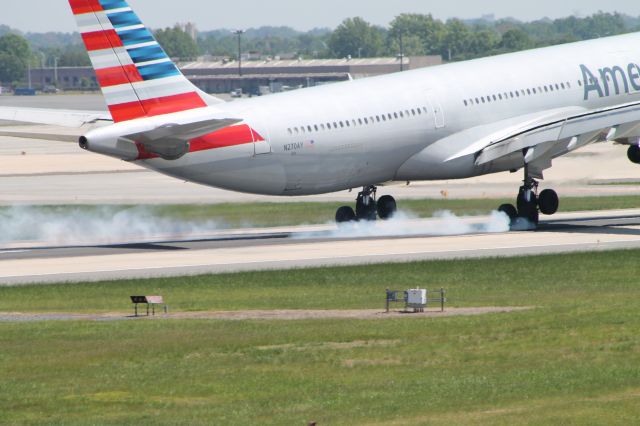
{"type": "Point", "coordinates": [575, 359]}
{"type": "Point", "coordinates": [287, 214]}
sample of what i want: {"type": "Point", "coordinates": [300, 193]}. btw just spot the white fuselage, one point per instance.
{"type": "Point", "coordinates": [384, 129]}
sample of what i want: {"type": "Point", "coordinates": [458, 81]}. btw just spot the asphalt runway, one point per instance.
{"type": "Point", "coordinates": [285, 249]}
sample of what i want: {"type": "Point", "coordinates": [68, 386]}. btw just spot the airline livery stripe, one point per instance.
{"type": "Point", "coordinates": [141, 35]}
{"type": "Point", "coordinates": [161, 88]}
{"type": "Point", "coordinates": [171, 104]}
{"type": "Point", "coordinates": [147, 54]}
{"type": "Point", "coordinates": [110, 58]}
{"type": "Point", "coordinates": [126, 112]}
{"type": "Point", "coordinates": [124, 19]}
{"type": "Point", "coordinates": [113, 4]}
{"type": "Point", "coordinates": [122, 94]}
{"type": "Point", "coordinates": [154, 107]}
{"type": "Point", "coordinates": [115, 76]}
{"type": "Point", "coordinates": [155, 71]}
{"type": "Point", "coordinates": [80, 7]}
{"type": "Point", "coordinates": [229, 136]}
{"type": "Point", "coordinates": [100, 40]}
{"type": "Point", "coordinates": [223, 138]}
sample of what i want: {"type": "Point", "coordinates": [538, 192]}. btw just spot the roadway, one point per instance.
{"type": "Point", "coordinates": [299, 247]}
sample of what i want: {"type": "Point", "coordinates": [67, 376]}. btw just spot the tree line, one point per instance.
{"type": "Point", "coordinates": [410, 34]}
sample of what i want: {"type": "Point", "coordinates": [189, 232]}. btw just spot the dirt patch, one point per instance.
{"type": "Point", "coordinates": [366, 314]}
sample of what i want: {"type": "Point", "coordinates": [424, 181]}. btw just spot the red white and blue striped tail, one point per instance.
{"type": "Point", "coordinates": [135, 74]}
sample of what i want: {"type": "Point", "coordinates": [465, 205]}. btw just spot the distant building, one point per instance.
{"type": "Point", "coordinates": [65, 78]}
{"type": "Point", "coordinates": [189, 28]}
{"type": "Point", "coordinates": [223, 76]}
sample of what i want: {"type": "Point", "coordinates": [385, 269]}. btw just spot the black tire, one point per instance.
{"type": "Point", "coordinates": [510, 210]}
{"type": "Point", "coordinates": [528, 209]}
{"type": "Point", "coordinates": [634, 154]}
{"type": "Point", "coordinates": [345, 214]}
{"type": "Point", "coordinates": [549, 202]}
{"type": "Point", "coordinates": [387, 207]}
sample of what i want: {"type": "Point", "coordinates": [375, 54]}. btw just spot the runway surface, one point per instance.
{"type": "Point", "coordinates": [298, 247]}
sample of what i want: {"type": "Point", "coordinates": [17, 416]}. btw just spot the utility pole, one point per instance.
{"type": "Point", "coordinates": [239, 34]}
{"type": "Point", "coordinates": [44, 60]}
{"type": "Point", "coordinates": [29, 74]}
{"type": "Point", "coordinates": [55, 71]}
{"type": "Point", "coordinates": [401, 53]}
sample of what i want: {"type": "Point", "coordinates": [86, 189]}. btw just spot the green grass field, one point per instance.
{"type": "Point", "coordinates": [575, 359]}
{"type": "Point", "coordinates": [288, 214]}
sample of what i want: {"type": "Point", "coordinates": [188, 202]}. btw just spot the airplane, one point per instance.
{"type": "Point", "coordinates": [513, 112]}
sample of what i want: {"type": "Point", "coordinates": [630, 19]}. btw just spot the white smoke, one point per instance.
{"type": "Point", "coordinates": [23, 227]}
{"type": "Point", "coordinates": [404, 224]}
{"type": "Point", "coordinates": [92, 226]}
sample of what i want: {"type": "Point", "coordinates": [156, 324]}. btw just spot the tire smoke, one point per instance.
{"type": "Point", "coordinates": [404, 224]}
{"type": "Point", "coordinates": [63, 226]}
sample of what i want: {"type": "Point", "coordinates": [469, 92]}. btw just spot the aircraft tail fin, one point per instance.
{"type": "Point", "coordinates": [135, 74]}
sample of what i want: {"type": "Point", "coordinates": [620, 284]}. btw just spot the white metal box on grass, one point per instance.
{"type": "Point", "coordinates": [417, 297]}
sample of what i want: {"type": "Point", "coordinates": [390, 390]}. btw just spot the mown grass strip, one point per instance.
{"type": "Point", "coordinates": [575, 358]}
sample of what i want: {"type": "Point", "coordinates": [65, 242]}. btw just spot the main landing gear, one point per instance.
{"type": "Point", "coordinates": [368, 208]}
{"type": "Point", "coordinates": [530, 204]}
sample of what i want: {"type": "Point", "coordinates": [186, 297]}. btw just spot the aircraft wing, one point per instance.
{"type": "Point", "coordinates": [552, 134]}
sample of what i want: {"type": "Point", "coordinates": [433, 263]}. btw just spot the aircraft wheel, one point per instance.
{"type": "Point", "coordinates": [387, 207]}
{"type": "Point", "coordinates": [345, 214]}
{"type": "Point", "coordinates": [548, 202]}
{"type": "Point", "coordinates": [510, 210]}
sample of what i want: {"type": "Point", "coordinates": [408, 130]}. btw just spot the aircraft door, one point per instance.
{"type": "Point", "coordinates": [261, 140]}
{"type": "Point", "coordinates": [436, 108]}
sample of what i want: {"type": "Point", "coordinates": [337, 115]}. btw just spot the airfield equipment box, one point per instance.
{"type": "Point", "coordinates": [417, 297]}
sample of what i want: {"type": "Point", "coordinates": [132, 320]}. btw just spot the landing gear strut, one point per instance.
{"type": "Point", "coordinates": [368, 207]}
{"type": "Point", "coordinates": [530, 204]}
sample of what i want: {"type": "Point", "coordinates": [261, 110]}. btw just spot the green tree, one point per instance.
{"type": "Point", "coordinates": [482, 43]}
{"type": "Point", "coordinates": [11, 68]}
{"type": "Point", "coordinates": [177, 43]}
{"type": "Point", "coordinates": [356, 37]}
{"type": "Point", "coordinates": [429, 30]}
{"type": "Point", "coordinates": [412, 46]}
{"type": "Point", "coordinates": [456, 41]}
{"type": "Point", "coordinates": [515, 40]}
{"type": "Point", "coordinates": [15, 55]}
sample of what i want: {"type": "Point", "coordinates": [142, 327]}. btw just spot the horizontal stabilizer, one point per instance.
{"type": "Point", "coordinates": [182, 132]}
{"type": "Point", "coordinates": [171, 141]}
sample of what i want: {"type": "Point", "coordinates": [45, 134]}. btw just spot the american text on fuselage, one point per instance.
{"type": "Point", "coordinates": [610, 80]}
